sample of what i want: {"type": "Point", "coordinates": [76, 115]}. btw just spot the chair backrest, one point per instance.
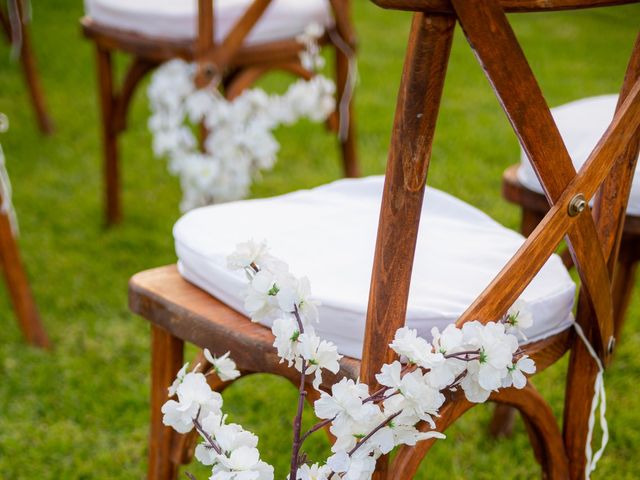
{"type": "Point", "coordinates": [592, 239]}
{"type": "Point", "coordinates": [213, 59]}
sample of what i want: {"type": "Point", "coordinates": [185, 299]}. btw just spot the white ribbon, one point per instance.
{"type": "Point", "coordinates": [6, 206]}
{"type": "Point", "coordinates": [350, 86]}
{"type": "Point", "coordinates": [599, 398]}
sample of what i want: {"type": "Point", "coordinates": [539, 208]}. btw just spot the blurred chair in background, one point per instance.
{"type": "Point", "coordinates": [236, 41]}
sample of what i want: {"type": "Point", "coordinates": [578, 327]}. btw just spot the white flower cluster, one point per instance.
{"type": "Point", "coordinates": [230, 450]}
{"type": "Point", "coordinates": [239, 141]}
{"type": "Point", "coordinates": [476, 358]}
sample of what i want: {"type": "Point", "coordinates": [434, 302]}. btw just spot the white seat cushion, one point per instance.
{"type": "Point", "coordinates": [328, 234]}
{"type": "Point", "coordinates": [177, 19]}
{"type": "Point", "coordinates": [582, 123]}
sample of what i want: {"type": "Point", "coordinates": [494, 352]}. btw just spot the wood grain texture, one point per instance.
{"type": "Point", "coordinates": [409, 154]}
{"type": "Point", "coordinates": [167, 353]}
{"type": "Point", "coordinates": [163, 297]}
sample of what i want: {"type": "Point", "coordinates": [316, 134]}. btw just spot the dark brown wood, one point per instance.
{"type": "Point", "coordinates": [223, 62]}
{"type": "Point", "coordinates": [18, 285]}
{"type": "Point", "coordinates": [166, 359]}
{"type": "Point", "coordinates": [109, 127]}
{"type": "Point", "coordinates": [407, 165]}
{"type": "Point", "coordinates": [28, 63]}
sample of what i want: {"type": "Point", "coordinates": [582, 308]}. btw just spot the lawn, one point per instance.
{"type": "Point", "coordinates": [81, 411]}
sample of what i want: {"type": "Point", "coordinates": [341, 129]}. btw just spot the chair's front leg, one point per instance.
{"type": "Point", "coordinates": [167, 354]}
{"type": "Point", "coordinates": [109, 135]}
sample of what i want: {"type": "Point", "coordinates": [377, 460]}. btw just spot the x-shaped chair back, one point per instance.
{"type": "Point", "coordinates": [593, 240]}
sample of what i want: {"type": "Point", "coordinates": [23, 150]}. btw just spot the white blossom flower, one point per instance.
{"type": "Point", "coordinates": [519, 318]}
{"type": "Point", "coordinates": [260, 300]}
{"type": "Point", "coordinates": [240, 142]}
{"type": "Point", "coordinates": [224, 366]}
{"type": "Point", "coordinates": [195, 400]}
{"type": "Point", "coordinates": [313, 472]}
{"type": "Point", "coordinates": [242, 464]}
{"type": "Point", "coordinates": [515, 375]}
{"type": "Point", "coordinates": [179, 378]}
{"type": "Point", "coordinates": [319, 355]}
{"type": "Point", "coordinates": [286, 333]}
{"type": "Point", "coordinates": [417, 399]}
{"type": "Point", "coordinates": [356, 467]}
{"type": "Point", "coordinates": [296, 294]}
{"type": "Point", "coordinates": [496, 351]}
{"type": "Point", "coordinates": [408, 344]}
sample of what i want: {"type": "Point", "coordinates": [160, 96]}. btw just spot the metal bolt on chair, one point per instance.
{"type": "Point", "coordinates": [239, 41]}
{"type": "Point", "coordinates": [461, 265]}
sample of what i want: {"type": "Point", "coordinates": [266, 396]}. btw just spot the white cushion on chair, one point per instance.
{"type": "Point", "coordinates": [581, 124]}
{"type": "Point", "coordinates": [177, 19]}
{"type": "Point", "coordinates": [328, 234]}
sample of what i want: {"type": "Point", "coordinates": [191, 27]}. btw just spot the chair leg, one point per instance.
{"type": "Point", "coordinates": [33, 84]}
{"type": "Point", "coordinates": [20, 293]}
{"type": "Point", "coordinates": [166, 359]}
{"type": "Point", "coordinates": [109, 136]}
{"type": "Point", "coordinates": [623, 283]}
{"type": "Point", "coordinates": [503, 420]}
{"type": "Point", "coordinates": [347, 139]}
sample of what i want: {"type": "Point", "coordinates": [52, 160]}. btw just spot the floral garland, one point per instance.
{"type": "Point", "coordinates": [6, 205]}
{"type": "Point", "coordinates": [475, 358]}
{"type": "Point", "coordinates": [240, 143]}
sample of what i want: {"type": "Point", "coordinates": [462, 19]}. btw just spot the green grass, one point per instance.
{"type": "Point", "coordinates": [81, 411]}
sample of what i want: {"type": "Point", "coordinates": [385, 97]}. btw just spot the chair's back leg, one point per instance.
{"type": "Point", "coordinates": [18, 285]}
{"type": "Point", "coordinates": [33, 83]}
{"type": "Point", "coordinates": [109, 136]}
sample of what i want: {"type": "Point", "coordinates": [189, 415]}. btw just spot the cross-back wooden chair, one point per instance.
{"type": "Point", "coordinates": [240, 43]}
{"type": "Point", "coordinates": [15, 24]}
{"type": "Point", "coordinates": [180, 311]}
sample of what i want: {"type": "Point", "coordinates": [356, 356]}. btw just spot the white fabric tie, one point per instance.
{"type": "Point", "coordinates": [350, 84]}
{"type": "Point", "coordinates": [599, 398]}
{"type": "Point", "coordinates": [6, 206]}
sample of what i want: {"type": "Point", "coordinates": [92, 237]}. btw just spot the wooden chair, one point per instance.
{"type": "Point", "coordinates": [182, 312]}
{"type": "Point", "coordinates": [234, 48]}
{"type": "Point", "coordinates": [16, 278]}
{"type": "Point", "coordinates": [15, 24]}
